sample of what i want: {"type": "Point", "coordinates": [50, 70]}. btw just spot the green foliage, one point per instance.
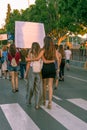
{"type": "Point", "coordinates": [82, 12]}
{"type": "Point", "coordinates": [2, 31]}
{"type": "Point", "coordinates": [15, 16]}
{"type": "Point", "coordinates": [59, 15]}
{"type": "Point", "coordinates": [8, 14]}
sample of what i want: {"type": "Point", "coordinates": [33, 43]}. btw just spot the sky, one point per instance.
{"type": "Point", "coordinates": [15, 4]}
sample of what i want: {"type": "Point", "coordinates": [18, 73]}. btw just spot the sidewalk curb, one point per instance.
{"type": "Point", "coordinates": [79, 64]}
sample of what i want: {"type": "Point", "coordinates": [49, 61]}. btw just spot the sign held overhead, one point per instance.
{"type": "Point", "coordinates": [28, 32]}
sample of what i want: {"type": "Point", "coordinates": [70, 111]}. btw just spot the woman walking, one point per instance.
{"type": "Point", "coordinates": [34, 85]}
{"type": "Point", "coordinates": [13, 66]}
{"type": "Point", "coordinates": [62, 65]}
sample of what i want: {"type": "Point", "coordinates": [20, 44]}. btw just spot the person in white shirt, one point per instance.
{"type": "Point", "coordinates": [68, 54]}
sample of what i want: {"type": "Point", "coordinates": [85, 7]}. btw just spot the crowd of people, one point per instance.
{"type": "Point", "coordinates": [41, 67]}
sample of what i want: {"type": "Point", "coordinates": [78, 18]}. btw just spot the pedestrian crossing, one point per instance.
{"type": "Point", "coordinates": [57, 98]}
{"type": "Point", "coordinates": [66, 118]}
{"type": "Point", "coordinates": [18, 118]}
{"type": "Point", "coordinates": [79, 102]}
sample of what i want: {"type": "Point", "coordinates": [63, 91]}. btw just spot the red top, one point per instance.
{"type": "Point", "coordinates": [17, 57]}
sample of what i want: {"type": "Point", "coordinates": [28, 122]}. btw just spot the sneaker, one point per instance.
{"type": "Point", "coordinates": [37, 107]}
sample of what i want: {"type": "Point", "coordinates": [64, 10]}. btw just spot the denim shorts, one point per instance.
{"type": "Point", "coordinates": [11, 68]}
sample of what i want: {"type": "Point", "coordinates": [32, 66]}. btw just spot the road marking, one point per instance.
{"type": "Point", "coordinates": [67, 119]}
{"type": "Point", "coordinates": [57, 98]}
{"type": "Point", "coordinates": [79, 102]}
{"type": "Point", "coordinates": [77, 78]}
{"type": "Point", "coordinates": [17, 117]}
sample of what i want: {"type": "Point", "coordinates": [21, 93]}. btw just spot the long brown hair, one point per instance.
{"type": "Point", "coordinates": [12, 49]}
{"type": "Point", "coordinates": [50, 51]}
{"type": "Point", "coordinates": [62, 52]}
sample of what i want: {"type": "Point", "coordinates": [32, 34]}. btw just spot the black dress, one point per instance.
{"type": "Point", "coordinates": [48, 70]}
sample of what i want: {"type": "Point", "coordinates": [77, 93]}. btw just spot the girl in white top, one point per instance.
{"type": "Point", "coordinates": [34, 84]}
{"type": "Point", "coordinates": [68, 54]}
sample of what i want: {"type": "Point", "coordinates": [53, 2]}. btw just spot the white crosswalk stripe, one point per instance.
{"type": "Point", "coordinates": [67, 119]}
{"type": "Point", "coordinates": [17, 117]}
{"type": "Point", "coordinates": [79, 102]}
{"type": "Point", "coordinates": [79, 79]}
{"type": "Point", "coordinates": [20, 120]}
{"type": "Point", "coordinates": [57, 98]}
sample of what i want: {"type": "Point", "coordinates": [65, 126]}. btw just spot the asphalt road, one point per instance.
{"type": "Point", "coordinates": [69, 110]}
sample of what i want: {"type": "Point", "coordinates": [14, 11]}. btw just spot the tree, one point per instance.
{"type": "Point", "coordinates": [39, 13]}
{"type": "Point", "coordinates": [59, 16]}
{"type": "Point", "coordinates": [72, 15]}
{"type": "Point", "coordinates": [14, 16]}
{"type": "Point", "coordinates": [7, 14]}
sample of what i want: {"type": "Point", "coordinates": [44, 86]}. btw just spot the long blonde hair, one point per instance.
{"type": "Point", "coordinates": [35, 49]}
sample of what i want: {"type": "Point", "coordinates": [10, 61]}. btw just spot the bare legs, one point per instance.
{"type": "Point", "coordinates": [50, 92]}
{"type": "Point", "coordinates": [44, 91]}
{"type": "Point", "coordinates": [14, 80]}
{"type": "Point", "coordinates": [56, 81]}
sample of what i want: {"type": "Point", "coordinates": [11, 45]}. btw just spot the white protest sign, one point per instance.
{"type": "Point", "coordinates": [28, 32]}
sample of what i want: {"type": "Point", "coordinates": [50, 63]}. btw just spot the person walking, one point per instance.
{"type": "Point", "coordinates": [1, 62]}
{"type": "Point", "coordinates": [34, 85]}
{"type": "Point", "coordinates": [68, 54]}
{"type": "Point", "coordinates": [23, 54]}
{"type": "Point", "coordinates": [48, 55]}
{"type": "Point", "coordinates": [62, 65]}
{"type": "Point", "coordinates": [13, 66]}
{"type": "Point", "coordinates": [4, 65]}
{"type": "Point", "coordinates": [57, 64]}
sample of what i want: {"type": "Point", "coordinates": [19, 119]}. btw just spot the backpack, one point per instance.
{"type": "Point", "coordinates": [37, 66]}
{"type": "Point", "coordinates": [13, 62]}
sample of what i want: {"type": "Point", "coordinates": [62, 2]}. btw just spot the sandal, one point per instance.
{"type": "Point", "coordinates": [49, 105]}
